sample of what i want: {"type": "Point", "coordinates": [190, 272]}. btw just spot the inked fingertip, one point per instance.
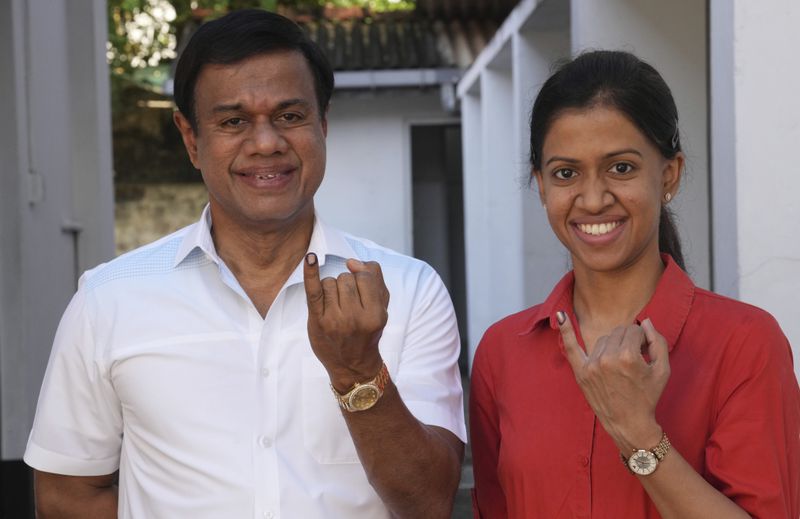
{"type": "Point", "coordinates": [311, 259]}
{"type": "Point", "coordinates": [561, 317]}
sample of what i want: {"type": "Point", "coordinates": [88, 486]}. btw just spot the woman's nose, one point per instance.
{"type": "Point", "coordinates": [595, 195]}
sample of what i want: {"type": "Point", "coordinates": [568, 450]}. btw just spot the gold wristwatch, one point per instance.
{"type": "Point", "coordinates": [644, 462]}
{"type": "Point", "coordinates": [364, 395]}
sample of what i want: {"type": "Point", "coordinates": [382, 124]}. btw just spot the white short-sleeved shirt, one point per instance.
{"type": "Point", "coordinates": [162, 368]}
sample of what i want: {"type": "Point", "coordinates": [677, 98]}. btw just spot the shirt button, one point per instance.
{"type": "Point", "coordinates": [584, 461]}
{"type": "Point", "coordinates": [264, 372]}
{"type": "Point", "coordinates": [268, 515]}
{"type": "Point", "coordinates": [265, 442]}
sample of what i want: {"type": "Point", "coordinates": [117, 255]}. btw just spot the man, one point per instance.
{"type": "Point", "coordinates": [201, 367]}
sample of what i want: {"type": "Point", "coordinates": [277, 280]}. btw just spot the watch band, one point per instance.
{"type": "Point", "coordinates": [363, 395]}
{"type": "Point", "coordinates": [662, 448]}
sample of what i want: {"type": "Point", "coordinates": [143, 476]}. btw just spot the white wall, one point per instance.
{"type": "Point", "coordinates": [672, 37]}
{"type": "Point", "coordinates": [56, 199]}
{"type": "Point", "coordinates": [367, 186]}
{"type": "Point", "coordinates": [766, 87]}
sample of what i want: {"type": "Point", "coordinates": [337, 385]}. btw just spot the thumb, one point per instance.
{"type": "Point", "coordinates": [313, 285]}
{"type": "Point", "coordinates": [657, 345]}
{"type": "Point", "coordinates": [575, 354]}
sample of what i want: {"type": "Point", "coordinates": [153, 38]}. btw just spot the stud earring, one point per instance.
{"type": "Point", "coordinates": [667, 197]}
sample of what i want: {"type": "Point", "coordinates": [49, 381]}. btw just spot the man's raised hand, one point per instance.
{"type": "Point", "coordinates": [346, 317]}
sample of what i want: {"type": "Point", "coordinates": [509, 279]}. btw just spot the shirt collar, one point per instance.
{"type": "Point", "coordinates": [325, 241]}
{"type": "Point", "coordinates": [197, 238]}
{"type": "Point", "coordinates": [667, 309]}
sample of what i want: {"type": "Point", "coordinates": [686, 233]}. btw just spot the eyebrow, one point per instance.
{"type": "Point", "coordinates": [606, 156]}
{"type": "Point", "coordinates": [234, 107]}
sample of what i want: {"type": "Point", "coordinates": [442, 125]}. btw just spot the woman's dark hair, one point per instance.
{"type": "Point", "coordinates": [240, 35]}
{"type": "Point", "coordinates": [620, 80]}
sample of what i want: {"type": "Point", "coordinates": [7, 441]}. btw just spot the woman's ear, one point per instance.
{"type": "Point", "coordinates": [671, 176]}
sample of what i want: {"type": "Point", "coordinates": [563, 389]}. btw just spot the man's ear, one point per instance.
{"type": "Point", "coordinates": [325, 123]}
{"type": "Point", "coordinates": [671, 176]}
{"type": "Point", "coordinates": [188, 136]}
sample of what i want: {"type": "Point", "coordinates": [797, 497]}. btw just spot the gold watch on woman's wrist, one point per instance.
{"type": "Point", "coordinates": [363, 396]}
{"type": "Point", "coordinates": [644, 462]}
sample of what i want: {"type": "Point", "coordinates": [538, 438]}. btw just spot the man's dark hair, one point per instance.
{"type": "Point", "coordinates": [240, 35]}
{"type": "Point", "coordinates": [622, 81]}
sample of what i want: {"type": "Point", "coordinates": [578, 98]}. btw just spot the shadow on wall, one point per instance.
{"type": "Point", "coordinates": [144, 212]}
{"type": "Point", "coordinates": [156, 189]}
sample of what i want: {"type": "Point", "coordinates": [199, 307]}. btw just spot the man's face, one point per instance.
{"type": "Point", "coordinates": [259, 141]}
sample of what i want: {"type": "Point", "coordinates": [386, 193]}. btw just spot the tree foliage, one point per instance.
{"type": "Point", "coordinates": [145, 33]}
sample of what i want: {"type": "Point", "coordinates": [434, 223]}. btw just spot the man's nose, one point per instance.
{"type": "Point", "coordinates": [265, 139]}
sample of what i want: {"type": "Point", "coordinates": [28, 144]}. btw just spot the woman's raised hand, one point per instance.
{"type": "Point", "coordinates": [619, 383]}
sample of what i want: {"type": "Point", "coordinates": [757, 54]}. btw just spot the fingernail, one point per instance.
{"type": "Point", "coordinates": [311, 259]}
{"type": "Point", "coordinates": [561, 317]}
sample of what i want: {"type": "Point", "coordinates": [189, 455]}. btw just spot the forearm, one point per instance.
{"type": "Point", "coordinates": [679, 492]}
{"type": "Point", "coordinates": [413, 467]}
{"type": "Point", "coordinates": [676, 489]}
{"type": "Point", "coordinates": [66, 497]}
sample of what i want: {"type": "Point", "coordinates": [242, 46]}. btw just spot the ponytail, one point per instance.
{"type": "Point", "coordinates": [668, 240]}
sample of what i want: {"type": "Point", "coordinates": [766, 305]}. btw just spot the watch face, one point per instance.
{"type": "Point", "coordinates": [364, 397]}
{"type": "Point", "coordinates": [642, 462]}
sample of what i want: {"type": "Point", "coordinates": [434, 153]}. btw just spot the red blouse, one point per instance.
{"type": "Point", "coordinates": [731, 408]}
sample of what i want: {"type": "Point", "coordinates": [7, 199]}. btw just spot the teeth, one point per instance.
{"type": "Point", "coordinates": [597, 229]}
{"type": "Point", "coordinates": [266, 177]}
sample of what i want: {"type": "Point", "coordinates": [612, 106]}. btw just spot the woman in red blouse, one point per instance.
{"type": "Point", "coordinates": [629, 392]}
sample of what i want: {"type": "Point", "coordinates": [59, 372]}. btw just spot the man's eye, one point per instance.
{"type": "Point", "coordinates": [290, 117]}
{"type": "Point", "coordinates": [233, 121]}
{"type": "Point", "coordinates": [564, 174]}
{"type": "Point", "coordinates": [621, 168]}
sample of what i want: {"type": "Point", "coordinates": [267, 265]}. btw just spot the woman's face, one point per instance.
{"type": "Point", "coordinates": [602, 183]}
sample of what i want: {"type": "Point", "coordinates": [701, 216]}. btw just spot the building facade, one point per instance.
{"type": "Point", "coordinates": [736, 125]}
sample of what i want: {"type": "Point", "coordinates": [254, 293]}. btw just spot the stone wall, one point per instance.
{"type": "Point", "coordinates": [145, 212]}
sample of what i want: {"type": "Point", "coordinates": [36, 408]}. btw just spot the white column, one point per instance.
{"type": "Point", "coordinates": [545, 259]}
{"type": "Point", "coordinates": [671, 36]}
{"type": "Point", "coordinates": [56, 155]}
{"type": "Point", "coordinates": [500, 169]}
{"type": "Point", "coordinates": [476, 219]}
{"type": "Point", "coordinates": [765, 85]}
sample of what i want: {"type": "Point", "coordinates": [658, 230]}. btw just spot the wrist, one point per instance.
{"type": "Point", "coordinates": [642, 437]}
{"type": "Point", "coordinates": [345, 379]}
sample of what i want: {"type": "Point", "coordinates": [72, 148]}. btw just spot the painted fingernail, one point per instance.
{"type": "Point", "coordinates": [311, 259]}
{"type": "Point", "coordinates": [561, 317]}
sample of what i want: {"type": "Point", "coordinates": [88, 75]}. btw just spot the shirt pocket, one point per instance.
{"type": "Point", "coordinates": [325, 433]}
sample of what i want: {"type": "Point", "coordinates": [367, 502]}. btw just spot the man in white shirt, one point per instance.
{"type": "Point", "coordinates": [204, 369]}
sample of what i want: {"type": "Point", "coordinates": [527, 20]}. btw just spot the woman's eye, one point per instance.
{"type": "Point", "coordinates": [564, 174]}
{"type": "Point", "coordinates": [621, 168]}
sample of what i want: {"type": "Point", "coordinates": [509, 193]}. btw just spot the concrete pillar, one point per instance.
{"type": "Point", "coordinates": [476, 218]}
{"type": "Point", "coordinates": [545, 259]}
{"type": "Point", "coordinates": [755, 131]}
{"type": "Point", "coordinates": [671, 36]}
{"type": "Point", "coordinates": [56, 187]}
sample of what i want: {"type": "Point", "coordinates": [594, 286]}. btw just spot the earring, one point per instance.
{"type": "Point", "coordinates": [667, 197]}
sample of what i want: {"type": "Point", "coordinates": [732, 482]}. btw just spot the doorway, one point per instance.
{"type": "Point", "coordinates": [438, 212]}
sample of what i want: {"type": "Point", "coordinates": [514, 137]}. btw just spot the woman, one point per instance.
{"type": "Point", "coordinates": [629, 392]}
